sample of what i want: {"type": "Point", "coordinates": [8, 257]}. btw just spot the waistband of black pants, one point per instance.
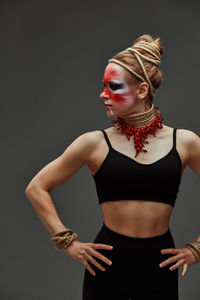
{"type": "Point", "coordinates": [129, 239]}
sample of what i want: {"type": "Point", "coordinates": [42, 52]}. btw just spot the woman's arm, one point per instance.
{"type": "Point", "coordinates": [54, 174]}
{"type": "Point", "coordinates": [192, 146]}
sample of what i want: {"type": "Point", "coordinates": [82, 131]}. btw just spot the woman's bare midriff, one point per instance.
{"type": "Point", "coordinates": [137, 218]}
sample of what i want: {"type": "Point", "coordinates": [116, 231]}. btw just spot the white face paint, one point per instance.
{"type": "Point", "coordinates": [111, 112]}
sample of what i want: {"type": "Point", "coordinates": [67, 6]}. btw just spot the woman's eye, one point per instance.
{"type": "Point", "coordinates": [115, 86]}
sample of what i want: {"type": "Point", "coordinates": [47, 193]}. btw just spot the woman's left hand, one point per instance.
{"type": "Point", "coordinates": [183, 256]}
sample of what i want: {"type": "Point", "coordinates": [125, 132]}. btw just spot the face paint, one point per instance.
{"type": "Point", "coordinates": [115, 87]}
{"type": "Point", "coordinates": [110, 110]}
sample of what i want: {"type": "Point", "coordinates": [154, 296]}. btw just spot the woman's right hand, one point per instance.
{"type": "Point", "coordinates": [85, 251]}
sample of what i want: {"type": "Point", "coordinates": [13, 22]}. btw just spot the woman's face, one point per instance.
{"type": "Point", "coordinates": [117, 94]}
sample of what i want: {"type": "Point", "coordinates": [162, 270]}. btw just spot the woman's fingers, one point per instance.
{"type": "Point", "coordinates": [185, 266]}
{"type": "Point", "coordinates": [183, 256]}
{"type": "Point", "coordinates": [90, 258]}
{"type": "Point", "coordinates": [98, 254]}
{"type": "Point", "coordinates": [170, 250]}
{"type": "Point", "coordinates": [88, 266]}
{"type": "Point", "coordinates": [90, 252]}
{"type": "Point", "coordinates": [101, 246]}
{"type": "Point", "coordinates": [178, 264]}
{"type": "Point", "coordinates": [171, 260]}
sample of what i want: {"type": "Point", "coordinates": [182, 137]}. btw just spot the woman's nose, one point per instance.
{"type": "Point", "coordinates": [103, 95]}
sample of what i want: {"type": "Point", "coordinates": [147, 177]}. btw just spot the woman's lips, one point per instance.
{"type": "Point", "coordinates": [107, 106]}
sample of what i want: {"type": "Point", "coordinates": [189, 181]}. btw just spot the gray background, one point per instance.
{"type": "Point", "coordinates": [53, 56]}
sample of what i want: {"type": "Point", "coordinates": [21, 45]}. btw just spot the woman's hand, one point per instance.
{"type": "Point", "coordinates": [84, 252]}
{"type": "Point", "coordinates": [183, 256]}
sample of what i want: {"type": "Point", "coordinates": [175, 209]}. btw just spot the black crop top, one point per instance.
{"type": "Point", "coordinates": [123, 178]}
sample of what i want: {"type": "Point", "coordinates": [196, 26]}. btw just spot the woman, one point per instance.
{"type": "Point", "coordinates": [136, 187]}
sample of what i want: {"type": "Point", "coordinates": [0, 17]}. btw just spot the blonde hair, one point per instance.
{"type": "Point", "coordinates": [142, 60]}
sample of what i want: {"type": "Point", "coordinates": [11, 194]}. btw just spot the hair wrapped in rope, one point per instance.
{"type": "Point", "coordinates": [148, 47]}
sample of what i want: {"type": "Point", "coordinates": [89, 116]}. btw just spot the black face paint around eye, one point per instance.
{"type": "Point", "coordinates": [115, 86]}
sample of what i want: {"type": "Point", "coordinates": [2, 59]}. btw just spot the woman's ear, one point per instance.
{"type": "Point", "coordinates": [142, 90]}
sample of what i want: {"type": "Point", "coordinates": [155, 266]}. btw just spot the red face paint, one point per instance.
{"type": "Point", "coordinates": [113, 73]}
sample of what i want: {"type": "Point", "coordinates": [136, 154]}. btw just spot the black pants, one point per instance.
{"type": "Point", "coordinates": [135, 273]}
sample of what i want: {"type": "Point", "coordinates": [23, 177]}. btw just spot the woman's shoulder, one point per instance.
{"type": "Point", "coordinates": [92, 138]}
{"type": "Point", "coordinates": [182, 133]}
{"type": "Point", "coordinates": [187, 136]}
{"type": "Point", "coordinates": [95, 134]}
{"type": "Point", "coordinates": [191, 144]}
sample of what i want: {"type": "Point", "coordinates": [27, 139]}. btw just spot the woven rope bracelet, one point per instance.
{"type": "Point", "coordinates": [195, 248]}
{"type": "Point", "coordinates": [63, 239]}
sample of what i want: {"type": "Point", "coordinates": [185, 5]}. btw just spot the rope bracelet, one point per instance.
{"type": "Point", "coordinates": [195, 248]}
{"type": "Point", "coordinates": [64, 238]}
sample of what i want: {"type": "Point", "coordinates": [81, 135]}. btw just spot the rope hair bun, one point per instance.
{"type": "Point", "coordinates": [143, 60]}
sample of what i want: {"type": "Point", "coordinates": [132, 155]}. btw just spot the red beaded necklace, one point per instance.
{"type": "Point", "coordinates": [140, 133]}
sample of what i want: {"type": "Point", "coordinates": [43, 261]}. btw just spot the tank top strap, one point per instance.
{"type": "Point", "coordinates": [174, 138]}
{"type": "Point", "coordinates": [106, 138]}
